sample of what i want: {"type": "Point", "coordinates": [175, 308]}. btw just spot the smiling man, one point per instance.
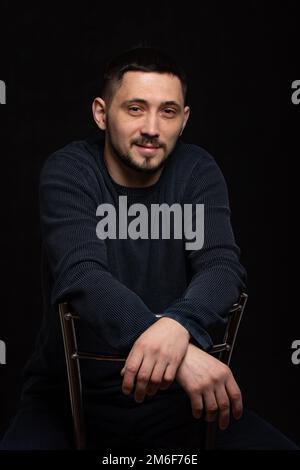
{"type": "Point", "coordinates": [141, 127]}
{"type": "Point", "coordinates": [156, 301]}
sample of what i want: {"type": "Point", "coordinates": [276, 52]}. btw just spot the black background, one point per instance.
{"type": "Point", "coordinates": [241, 59]}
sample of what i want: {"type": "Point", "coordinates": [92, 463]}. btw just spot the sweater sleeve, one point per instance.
{"type": "Point", "coordinates": [78, 258]}
{"type": "Point", "coordinates": [217, 277]}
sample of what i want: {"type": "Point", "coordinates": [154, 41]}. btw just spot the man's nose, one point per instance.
{"type": "Point", "coordinates": [150, 126]}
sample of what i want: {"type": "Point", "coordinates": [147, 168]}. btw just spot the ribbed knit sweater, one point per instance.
{"type": "Point", "coordinates": [118, 286]}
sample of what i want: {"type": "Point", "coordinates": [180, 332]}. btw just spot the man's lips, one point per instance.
{"type": "Point", "coordinates": [147, 149]}
{"type": "Point", "coordinates": [148, 146]}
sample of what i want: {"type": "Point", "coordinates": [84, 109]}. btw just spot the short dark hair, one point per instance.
{"type": "Point", "coordinates": [143, 59]}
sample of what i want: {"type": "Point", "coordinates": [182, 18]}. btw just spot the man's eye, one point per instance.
{"type": "Point", "coordinates": [134, 109]}
{"type": "Point", "coordinates": [170, 111]}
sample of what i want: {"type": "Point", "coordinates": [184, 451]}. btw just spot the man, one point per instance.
{"type": "Point", "coordinates": [141, 287]}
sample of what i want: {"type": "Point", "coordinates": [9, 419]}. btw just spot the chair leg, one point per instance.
{"type": "Point", "coordinates": [74, 378]}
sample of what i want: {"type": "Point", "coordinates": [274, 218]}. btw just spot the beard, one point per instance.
{"type": "Point", "coordinates": [144, 167]}
{"type": "Point", "coordinates": [130, 162]}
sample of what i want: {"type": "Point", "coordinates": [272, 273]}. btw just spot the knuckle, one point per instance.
{"type": "Point", "coordinates": [236, 396]}
{"type": "Point", "coordinates": [131, 368]}
{"type": "Point", "coordinates": [155, 350]}
{"type": "Point", "coordinates": [215, 378]}
{"type": "Point", "coordinates": [212, 408]}
{"type": "Point", "coordinates": [194, 389]}
{"type": "Point", "coordinates": [226, 369]}
{"type": "Point", "coordinates": [225, 372]}
{"type": "Point", "coordinates": [206, 385]}
{"type": "Point", "coordinates": [139, 343]}
{"type": "Point", "coordinates": [168, 356]}
{"type": "Point", "coordinates": [143, 377]}
{"type": "Point", "coordinates": [142, 343]}
{"type": "Point", "coordinates": [163, 359]}
{"type": "Point", "coordinates": [224, 406]}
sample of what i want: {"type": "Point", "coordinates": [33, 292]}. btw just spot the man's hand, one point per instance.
{"type": "Point", "coordinates": [155, 357]}
{"type": "Point", "coordinates": [210, 385]}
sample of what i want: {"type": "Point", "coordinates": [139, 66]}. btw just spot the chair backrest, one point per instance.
{"type": "Point", "coordinates": [224, 352]}
{"type": "Point", "coordinates": [73, 355]}
{"type": "Point", "coordinates": [225, 349]}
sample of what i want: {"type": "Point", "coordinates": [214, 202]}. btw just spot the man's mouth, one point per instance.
{"type": "Point", "coordinates": [147, 149]}
{"type": "Point", "coordinates": [148, 146]}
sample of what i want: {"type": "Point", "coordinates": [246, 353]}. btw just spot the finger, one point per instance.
{"type": "Point", "coordinates": [164, 385]}
{"type": "Point", "coordinates": [211, 406]}
{"type": "Point", "coordinates": [223, 406]}
{"type": "Point", "coordinates": [170, 374]}
{"type": "Point", "coordinates": [235, 397]}
{"type": "Point", "coordinates": [143, 378]}
{"type": "Point", "coordinates": [197, 405]}
{"type": "Point", "coordinates": [131, 368]}
{"type": "Point", "coordinates": [168, 378]}
{"type": "Point", "coordinates": [156, 378]}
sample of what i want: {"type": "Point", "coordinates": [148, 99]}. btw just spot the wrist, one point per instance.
{"type": "Point", "coordinates": [178, 324]}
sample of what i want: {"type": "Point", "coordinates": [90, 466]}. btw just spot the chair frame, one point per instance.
{"type": "Point", "coordinates": [73, 356]}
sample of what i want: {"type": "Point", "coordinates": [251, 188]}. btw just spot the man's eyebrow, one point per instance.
{"type": "Point", "coordinates": [142, 101]}
{"type": "Point", "coordinates": [172, 103]}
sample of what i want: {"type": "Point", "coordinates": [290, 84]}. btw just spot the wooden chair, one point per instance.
{"type": "Point", "coordinates": [73, 356]}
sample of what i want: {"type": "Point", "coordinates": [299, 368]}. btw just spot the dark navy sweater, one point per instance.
{"type": "Point", "coordinates": [119, 286]}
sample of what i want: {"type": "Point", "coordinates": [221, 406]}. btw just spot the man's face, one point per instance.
{"type": "Point", "coordinates": [144, 119]}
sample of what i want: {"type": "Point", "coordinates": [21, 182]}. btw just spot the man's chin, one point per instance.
{"type": "Point", "coordinates": [146, 169]}
{"type": "Point", "coordinates": [143, 164]}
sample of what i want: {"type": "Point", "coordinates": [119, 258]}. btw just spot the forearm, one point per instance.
{"type": "Point", "coordinates": [78, 259]}
{"type": "Point", "coordinates": [203, 308]}
{"type": "Point", "coordinates": [216, 276]}
{"type": "Point", "coordinates": [114, 312]}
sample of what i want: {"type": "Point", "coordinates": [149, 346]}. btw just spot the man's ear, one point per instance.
{"type": "Point", "coordinates": [99, 113]}
{"type": "Point", "coordinates": [185, 119]}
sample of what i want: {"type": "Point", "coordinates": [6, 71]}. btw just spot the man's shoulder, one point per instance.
{"type": "Point", "coordinates": [188, 157]}
{"type": "Point", "coordinates": [82, 153]}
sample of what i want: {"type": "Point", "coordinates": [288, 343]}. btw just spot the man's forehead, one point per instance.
{"type": "Point", "coordinates": [149, 85]}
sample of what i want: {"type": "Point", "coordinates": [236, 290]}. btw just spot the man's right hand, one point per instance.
{"type": "Point", "coordinates": [210, 385]}
{"type": "Point", "coordinates": [155, 358]}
